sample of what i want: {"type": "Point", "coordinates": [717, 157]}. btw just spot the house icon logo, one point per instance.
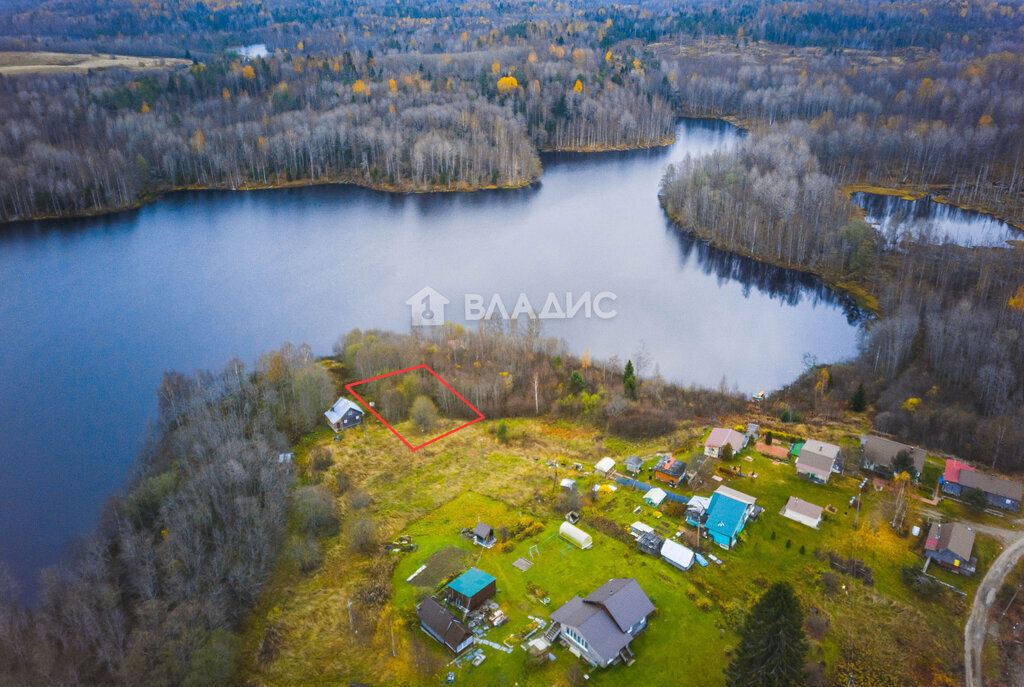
{"type": "Point", "coordinates": [427, 307]}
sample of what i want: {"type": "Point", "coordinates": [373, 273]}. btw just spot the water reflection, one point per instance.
{"type": "Point", "coordinates": [928, 221]}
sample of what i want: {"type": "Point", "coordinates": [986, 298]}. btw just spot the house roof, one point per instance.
{"type": "Point", "coordinates": [634, 461]}
{"type": "Point", "coordinates": [656, 495]}
{"type": "Point", "coordinates": [955, 537]}
{"type": "Point", "coordinates": [641, 527]}
{"type": "Point", "coordinates": [720, 436]}
{"type": "Point", "coordinates": [442, 622]}
{"type": "Point", "coordinates": [880, 452]}
{"type": "Point", "coordinates": [624, 600]}
{"type": "Point", "coordinates": [804, 508]}
{"type": "Point", "coordinates": [731, 493]}
{"type": "Point", "coordinates": [340, 407]}
{"type": "Point", "coordinates": [605, 464]}
{"type": "Point", "coordinates": [820, 448]}
{"type": "Point", "coordinates": [566, 482]}
{"type": "Point", "coordinates": [990, 484]}
{"type": "Point", "coordinates": [670, 466]}
{"type": "Point", "coordinates": [471, 582]}
{"type": "Point", "coordinates": [812, 461]}
{"type": "Point", "coordinates": [701, 502]}
{"type": "Point", "coordinates": [677, 553]}
{"type": "Point", "coordinates": [951, 473]}
{"type": "Point", "coordinates": [483, 530]}
{"type": "Point", "coordinates": [603, 636]}
{"type": "Point", "coordinates": [725, 514]}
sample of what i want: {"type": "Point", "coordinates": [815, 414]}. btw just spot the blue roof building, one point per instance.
{"type": "Point", "coordinates": [728, 513]}
{"type": "Point", "coordinates": [471, 589]}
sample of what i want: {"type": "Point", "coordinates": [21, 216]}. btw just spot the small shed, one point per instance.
{"type": "Point", "coordinates": [649, 543]}
{"type": "Point", "coordinates": [634, 464]}
{"type": "Point", "coordinates": [568, 484]}
{"type": "Point", "coordinates": [638, 528]}
{"type": "Point", "coordinates": [803, 512]}
{"type": "Point", "coordinates": [604, 466]}
{"type": "Point", "coordinates": [471, 589]}
{"type": "Point", "coordinates": [678, 555]}
{"type": "Point", "coordinates": [343, 414]}
{"type": "Point", "coordinates": [575, 535]}
{"type": "Point", "coordinates": [654, 497]}
{"type": "Point", "coordinates": [483, 534]}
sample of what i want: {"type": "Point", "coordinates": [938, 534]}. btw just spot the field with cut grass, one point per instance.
{"type": "Point", "coordinates": [33, 62]}
{"type": "Point", "coordinates": [354, 617]}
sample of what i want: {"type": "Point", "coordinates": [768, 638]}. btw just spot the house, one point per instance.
{"type": "Point", "coordinates": [483, 534]}
{"type": "Point", "coordinates": [638, 528]}
{"type": "Point", "coordinates": [471, 589]}
{"type": "Point", "coordinates": [727, 515]}
{"type": "Point", "coordinates": [634, 464]}
{"type": "Point", "coordinates": [438, 622]}
{"type": "Point", "coordinates": [958, 478]}
{"type": "Point", "coordinates": [654, 497]}
{"type": "Point", "coordinates": [600, 627]}
{"type": "Point", "coordinates": [671, 470]}
{"type": "Point", "coordinates": [344, 414]}
{"type": "Point", "coordinates": [803, 512]}
{"type": "Point", "coordinates": [719, 437]}
{"type": "Point", "coordinates": [817, 460]}
{"type": "Point", "coordinates": [649, 543]}
{"type": "Point", "coordinates": [604, 466]}
{"type": "Point", "coordinates": [575, 535]}
{"type": "Point", "coordinates": [949, 545]}
{"type": "Point", "coordinates": [676, 554]}
{"type": "Point", "coordinates": [568, 484]}
{"type": "Point", "coordinates": [697, 510]}
{"type": "Point", "coordinates": [286, 460]}
{"type": "Point", "coordinates": [878, 453]}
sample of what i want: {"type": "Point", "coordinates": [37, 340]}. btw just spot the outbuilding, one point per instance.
{"type": "Point", "coordinates": [678, 555]}
{"type": "Point", "coordinates": [638, 528]}
{"type": "Point", "coordinates": [634, 464]}
{"type": "Point", "coordinates": [568, 484]}
{"type": "Point", "coordinates": [575, 535]}
{"type": "Point", "coordinates": [654, 497]}
{"type": "Point", "coordinates": [438, 622]}
{"type": "Point", "coordinates": [803, 512]}
{"type": "Point", "coordinates": [604, 466]}
{"type": "Point", "coordinates": [471, 589]}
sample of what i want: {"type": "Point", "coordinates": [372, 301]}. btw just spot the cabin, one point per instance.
{"type": "Point", "coordinates": [950, 545]}
{"type": "Point", "coordinates": [817, 461]}
{"type": "Point", "coordinates": [344, 414]}
{"type": "Point", "coordinates": [958, 478]}
{"type": "Point", "coordinates": [697, 510]}
{"type": "Point", "coordinates": [600, 627]}
{"type": "Point", "coordinates": [438, 622]}
{"type": "Point", "coordinates": [670, 470]}
{"type": "Point", "coordinates": [728, 513]}
{"type": "Point", "coordinates": [568, 484]}
{"type": "Point", "coordinates": [649, 543]}
{"type": "Point", "coordinates": [638, 528]}
{"type": "Point", "coordinates": [719, 437]}
{"type": "Point", "coordinates": [471, 589]}
{"type": "Point", "coordinates": [634, 464]}
{"type": "Point", "coordinates": [604, 466]}
{"type": "Point", "coordinates": [676, 554]}
{"type": "Point", "coordinates": [575, 535]}
{"type": "Point", "coordinates": [483, 535]}
{"type": "Point", "coordinates": [803, 512]}
{"type": "Point", "coordinates": [878, 453]}
{"type": "Point", "coordinates": [654, 497]}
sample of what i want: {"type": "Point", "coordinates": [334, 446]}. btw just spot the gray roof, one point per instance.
{"type": "Point", "coordinates": [340, 407]}
{"type": "Point", "coordinates": [990, 484]}
{"type": "Point", "coordinates": [954, 537]}
{"type": "Point", "coordinates": [880, 452]}
{"type": "Point", "coordinates": [594, 625]}
{"type": "Point", "coordinates": [442, 622]}
{"type": "Point", "coordinates": [634, 460]}
{"type": "Point", "coordinates": [624, 600]}
{"type": "Point", "coordinates": [804, 508]}
{"type": "Point", "coordinates": [483, 530]}
{"type": "Point", "coordinates": [813, 461]}
{"type": "Point", "coordinates": [673, 467]}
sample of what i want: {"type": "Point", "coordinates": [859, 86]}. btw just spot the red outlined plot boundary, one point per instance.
{"type": "Point", "coordinates": [395, 431]}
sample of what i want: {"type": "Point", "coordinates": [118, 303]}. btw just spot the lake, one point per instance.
{"type": "Point", "coordinates": [96, 310]}
{"type": "Point", "coordinates": [933, 222]}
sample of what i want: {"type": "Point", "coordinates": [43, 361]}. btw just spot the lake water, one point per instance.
{"type": "Point", "coordinates": [934, 222]}
{"type": "Point", "coordinates": [94, 311]}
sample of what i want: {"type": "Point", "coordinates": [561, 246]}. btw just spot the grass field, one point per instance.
{"type": "Point", "coordinates": [12, 63]}
{"type": "Point", "coordinates": [315, 637]}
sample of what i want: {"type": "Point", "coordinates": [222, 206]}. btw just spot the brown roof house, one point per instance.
{"type": "Point", "coordinates": [1000, 492]}
{"type": "Point", "coordinates": [878, 453]}
{"type": "Point", "coordinates": [949, 544]}
{"type": "Point", "coordinates": [440, 624]}
{"type": "Point", "coordinates": [719, 437]}
{"type": "Point", "coordinates": [803, 512]}
{"type": "Point", "coordinates": [817, 460]}
{"type": "Point", "coordinates": [600, 627]}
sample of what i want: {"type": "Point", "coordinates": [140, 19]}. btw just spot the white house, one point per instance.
{"type": "Point", "coordinates": [654, 497]}
{"type": "Point", "coordinates": [719, 437]}
{"type": "Point", "coordinates": [604, 466]}
{"type": "Point", "coordinates": [803, 512]}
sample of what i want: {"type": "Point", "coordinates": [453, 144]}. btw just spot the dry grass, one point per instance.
{"type": "Point", "coordinates": [13, 63]}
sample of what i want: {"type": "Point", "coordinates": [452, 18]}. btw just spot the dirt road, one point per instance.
{"type": "Point", "coordinates": [977, 623]}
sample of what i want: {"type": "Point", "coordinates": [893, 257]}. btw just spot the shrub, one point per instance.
{"type": "Point", "coordinates": [342, 482]}
{"type": "Point", "coordinates": [363, 535]}
{"type": "Point", "coordinates": [704, 604]}
{"type": "Point", "coordinates": [304, 552]}
{"type": "Point", "coordinates": [320, 459]}
{"type": "Point", "coordinates": [424, 413]}
{"type": "Point", "coordinates": [314, 509]}
{"type": "Point", "coordinates": [358, 499]}
{"type": "Point", "coordinates": [502, 433]}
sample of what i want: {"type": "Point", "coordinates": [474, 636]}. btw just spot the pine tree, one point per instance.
{"type": "Point", "coordinates": [629, 381]}
{"type": "Point", "coordinates": [576, 383]}
{"type": "Point", "coordinates": [772, 642]}
{"type": "Point", "coordinates": [858, 402]}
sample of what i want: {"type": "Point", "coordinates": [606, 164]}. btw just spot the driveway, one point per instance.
{"type": "Point", "coordinates": [977, 623]}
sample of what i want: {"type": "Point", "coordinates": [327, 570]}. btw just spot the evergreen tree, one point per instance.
{"type": "Point", "coordinates": [576, 383]}
{"type": "Point", "coordinates": [772, 642]}
{"type": "Point", "coordinates": [858, 402]}
{"type": "Point", "coordinates": [629, 381]}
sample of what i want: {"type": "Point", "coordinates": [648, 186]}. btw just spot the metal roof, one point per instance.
{"type": "Point", "coordinates": [471, 582]}
{"type": "Point", "coordinates": [804, 508]}
{"type": "Point", "coordinates": [624, 600]}
{"type": "Point", "coordinates": [340, 407]}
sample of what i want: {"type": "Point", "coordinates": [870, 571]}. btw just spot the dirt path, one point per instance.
{"type": "Point", "coordinates": [977, 623]}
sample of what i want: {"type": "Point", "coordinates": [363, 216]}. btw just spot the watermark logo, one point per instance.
{"type": "Point", "coordinates": [427, 307]}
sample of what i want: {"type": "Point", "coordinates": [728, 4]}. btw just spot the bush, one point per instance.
{"type": "Point", "coordinates": [342, 482]}
{"type": "Point", "coordinates": [314, 510]}
{"type": "Point", "coordinates": [304, 552]}
{"type": "Point", "coordinates": [502, 433]}
{"type": "Point", "coordinates": [704, 604]}
{"type": "Point", "coordinates": [675, 509]}
{"type": "Point", "coordinates": [320, 459]}
{"type": "Point", "coordinates": [358, 499]}
{"type": "Point", "coordinates": [424, 413]}
{"type": "Point", "coordinates": [975, 498]}
{"type": "Point", "coordinates": [363, 535]}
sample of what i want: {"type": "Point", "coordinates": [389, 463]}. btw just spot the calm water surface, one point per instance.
{"type": "Point", "coordinates": [94, 311]}
{"type": "Point", "coordinates": [933, 222]}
